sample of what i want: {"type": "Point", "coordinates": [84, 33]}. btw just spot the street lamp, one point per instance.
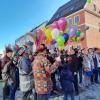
{"type": "Point", "coordinates": [86, 27]}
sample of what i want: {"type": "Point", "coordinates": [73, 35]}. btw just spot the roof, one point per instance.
{"type": "Point", "coordinates": [67, 9]}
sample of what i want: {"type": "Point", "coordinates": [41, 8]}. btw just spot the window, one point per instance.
{"type": "Point", "coordinates": [69, 21]}
{"type": "Point", "coordinates": [72, 8]}
{"type": "Point", "coordinates": [77, 19]}
{"type": "Point", "coordinates": [94, 7]}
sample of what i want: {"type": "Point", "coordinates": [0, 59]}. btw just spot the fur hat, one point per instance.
{"type": "Point", "coordinates": [8, 50]}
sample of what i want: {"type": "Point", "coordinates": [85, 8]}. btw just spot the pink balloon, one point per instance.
{"type": "Point", "coordinates": [62, 23]}
{"type": "Point", "coordinates": [39, 34]}
{"type": "Point", "coordinates": [55, 25]}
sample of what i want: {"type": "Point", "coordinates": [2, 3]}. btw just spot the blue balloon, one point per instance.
{"type": "Point", "coordinates": [66, 37]}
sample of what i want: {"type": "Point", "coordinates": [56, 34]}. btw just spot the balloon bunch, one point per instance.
{"type": "Point", "coordinates": [58, 34]}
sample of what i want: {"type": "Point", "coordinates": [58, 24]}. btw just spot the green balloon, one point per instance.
{"type": "Point", "coordinates": [60, 41]}
{"type": "Point", "coordinates": [89, 1]}
{"type": "Point", "coordinates": [78, 32]}
{"type": "Point", "coordinates": [78, 39]}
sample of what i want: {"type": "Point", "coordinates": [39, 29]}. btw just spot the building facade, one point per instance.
{"type": "Point", "coordinates": [87, 17]}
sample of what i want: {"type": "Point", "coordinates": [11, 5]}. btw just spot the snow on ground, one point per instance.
{"type": "Point", "coordinates": [90, 93]}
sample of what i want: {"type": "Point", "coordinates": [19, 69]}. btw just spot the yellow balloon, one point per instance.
{"type": "Point", "coordinates": [47, 42]}
{"type": "Point", "coordinates": [74, 38]}
{"type": "Point", "coordinates": [67, 28]}
{"type": "Point", "coordinates": [48, 34]}
{"type": "Point", "coordinates": [61, 47]}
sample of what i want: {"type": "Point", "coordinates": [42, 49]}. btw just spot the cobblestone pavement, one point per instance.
{"type": "Point", "coordinates": [90, 93]}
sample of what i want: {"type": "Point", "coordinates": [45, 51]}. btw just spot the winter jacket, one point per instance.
{"type": "Point", "coordinates": [25, 74]}
{"type": "Point", "coordinates": [66, 79]}
{"type": "Point", "coordinates": [9, 73]}
{"type": "Point", "coordinates": [80, 61]}
{"type": "Point", "coordinates": [92, 62]}
{"type": "Point", "coordinates": [86, 63]}
{"type": "Point", "coordinates": [5, 60]}
{"type": "Point", "coordinates": [75, 62]}
{"type": "Point", "coordinates": [72, 66]}
{"type": "Point", "coordinates": [42, 70]}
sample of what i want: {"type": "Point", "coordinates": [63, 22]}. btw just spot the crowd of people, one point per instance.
{"type": "Point", "coordinates": [40, 75]}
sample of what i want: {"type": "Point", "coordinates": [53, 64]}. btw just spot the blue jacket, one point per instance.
{"type": "Point", "coordinates": [66, 79]}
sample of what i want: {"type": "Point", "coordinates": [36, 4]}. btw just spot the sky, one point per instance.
{"type": "Point", "coordinates": [20, 16]}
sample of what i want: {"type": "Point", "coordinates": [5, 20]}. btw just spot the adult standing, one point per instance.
{"type": "Point", "coordinates": [9, 75]}
{"type": "Point", "coordinates": [5, 60]}
{"type": "Point", "coordinates": [74, 69]}
{"type": "Point", "coordinates": [42, 70]}
{"type": "Point", "coordinates": [25, 74]}
{"type": "Point", "coordinates": [95, 61]}
{"type": "Point", "coordinates": [87, 68]}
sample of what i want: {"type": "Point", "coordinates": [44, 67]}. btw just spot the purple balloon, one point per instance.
{"type": "Point", "coordinates": [53, 42]}
{"type": "Point", "coordinates": [72, 31]}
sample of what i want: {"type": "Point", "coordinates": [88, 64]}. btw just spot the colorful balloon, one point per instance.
{"type": "Point", "coordinates": [66, 37]}
{"type": "Point", "coordinates": [53, 41]}
{"type": "Point", "coordinates": [39, 33]}
{"type": "Point", "coordinates": [55, 33]}
{"type": "Point", "coordinates": [62, 23]}
{"type": "Point", "coordinates": [89, 1]}
{"type": "Point", "coordinates": [78, 32]}
{"type": "Point", "coordinates": [61, 47]}
{"type": "Point", "coordinates": [74, 38]}
{"type": "Point", "coordinates": [55, 25]}
{"type": "Point", "coordinates": [78, 39]}
{"type": "Point", "coordinates": [60, 41]}
{"type": "Point", "coordinates": [47, 42]}
{"type": "Point", "coordinates": [67, 28]}
{"type": "Point", "coordinates": [48, 34]}
{"type": "Point", "coordinates": [72, 31]}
